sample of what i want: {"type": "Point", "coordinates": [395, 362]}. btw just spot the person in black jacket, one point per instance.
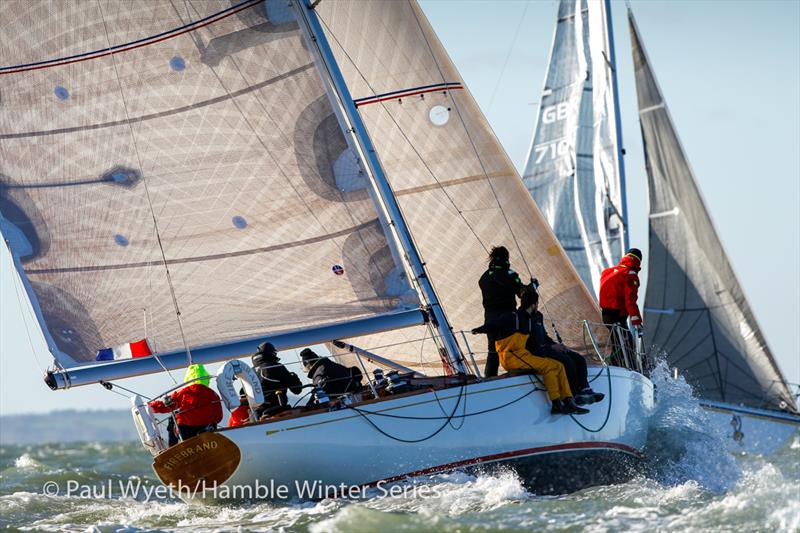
{"type": "Point", "coordinates": [500, 287]}
{"type": "Point", "coordinates": [330, 376]}
{"type": "Point", "coordinates": [275, 379]}
{"type": "Point", "coordinates": [539, 343]}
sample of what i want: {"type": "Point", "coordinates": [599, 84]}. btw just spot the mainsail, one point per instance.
{"type": "Point", "coordinates": [175, 171]}
{"type": "Point", "coordinates": [459, 192]}
{"type": "Point", "coordinates": [695, 309]}
{"type": "Point", "coordinates": [574, 169]}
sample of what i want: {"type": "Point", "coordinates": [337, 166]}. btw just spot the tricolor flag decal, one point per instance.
{"type": "Point", "coordinates": [124, 351]}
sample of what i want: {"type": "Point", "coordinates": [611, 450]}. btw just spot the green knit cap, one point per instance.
{"type": "Point", "coordinates": [197, 371]}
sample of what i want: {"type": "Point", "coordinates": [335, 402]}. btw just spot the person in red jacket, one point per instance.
{"type": "Point", "coordinates": [619, 292]}
{"type": "Point", "coordinates": [241, 415]}
{"type": "Point", "coordinates": [197, 406]}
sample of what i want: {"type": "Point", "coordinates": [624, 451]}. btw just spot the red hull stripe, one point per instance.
{"type": "Point", "coordinates": [192, 26]}
{"type": "Point", "coordinates": [407, 92]}
{"type": "Point", "coordinates": [509, 455]}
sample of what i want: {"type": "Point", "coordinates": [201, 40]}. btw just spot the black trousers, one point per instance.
{"type": "Point", "coordinates": [612, 318]}
{"type": "Point", "coordinates": [492, 359]}
{"type": "Point", "coordinates": [187, 432]}
{"type": "Point", "coordinates": [575, 367]}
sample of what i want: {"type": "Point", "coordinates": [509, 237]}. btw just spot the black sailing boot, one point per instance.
{"type": "Point", "coordinates": [557, 408]}
{"type": "Point", "coordinates": [571, 408]}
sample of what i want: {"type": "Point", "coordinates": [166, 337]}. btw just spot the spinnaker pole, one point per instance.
{"type": "Point", "coordinates": [612, 60]}
{"type": "Point", "coordinates": [318, 43]}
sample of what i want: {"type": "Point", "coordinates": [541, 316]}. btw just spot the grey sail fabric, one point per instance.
{"type": "Point", "coordinates": [458, 190]}
{"type": "Point", "coordinates": [695, 309]}
{"type": "Point", "coordinates": [573, 167]}
{"type": "Point", "coordinates": [199, 128]}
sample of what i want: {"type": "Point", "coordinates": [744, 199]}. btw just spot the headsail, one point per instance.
{"type": "Point", "coordinates": [573, 169]}
{"type": "Point", "coordinates": [458, 190]}
{"type": "Point", "coordinates": [695, 308]}
{"type": "Point", "coordinates": [195, 136]}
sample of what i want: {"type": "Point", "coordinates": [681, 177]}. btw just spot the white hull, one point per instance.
{"type": "Point", "coordinates": [750, 430]}
{"type": "Point", "coordinates": [505, 422]}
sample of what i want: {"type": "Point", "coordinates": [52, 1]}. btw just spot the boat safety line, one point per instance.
{"type": "Point", "coordinates": [608, 407]}
{"type": "Point", "coordinates": [403, 93]}
{"type": "Point", "coordinates": [382, 412]}
{"type": "Point", "coordinates": [556, 448]}
{"type": "Point", "coordinates": [153, 39]}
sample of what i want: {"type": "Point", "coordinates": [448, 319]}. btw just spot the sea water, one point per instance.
{"type": "Point", "coordinates": [690, 483]}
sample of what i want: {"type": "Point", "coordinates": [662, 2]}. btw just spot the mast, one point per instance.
{"type": "Point", "coordinates": [311, 28]}
{"type": "Point", "coordinates": [612, 60]}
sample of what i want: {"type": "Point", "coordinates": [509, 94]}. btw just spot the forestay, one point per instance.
{"type": "Point", "coordinates": [573, 169]}
{"type": "Point", "coordinates": [194, 135]}
{"type": "Point", "coordinates": [695, 309]}
{"type": "Point", "coordinates": [458, 190]}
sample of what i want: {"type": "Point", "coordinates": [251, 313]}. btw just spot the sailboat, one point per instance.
{"type": "Point", "coordinates": [695, 310]}
{"type": "Point", "coordinates": [206, 177]}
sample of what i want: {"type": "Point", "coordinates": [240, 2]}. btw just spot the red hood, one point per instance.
{"type": "Point", "coordinates": [631, 262]}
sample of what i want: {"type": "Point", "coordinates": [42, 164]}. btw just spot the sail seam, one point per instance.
{"type": "Point", "coordinates": [211, 257]}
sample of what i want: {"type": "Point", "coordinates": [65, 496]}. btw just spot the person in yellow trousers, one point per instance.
{"type": "Point", "coordinates": [512, 330]}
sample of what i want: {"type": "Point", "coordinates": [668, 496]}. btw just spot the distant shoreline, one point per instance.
{"type": "Point", "coordinates": [68, 425]}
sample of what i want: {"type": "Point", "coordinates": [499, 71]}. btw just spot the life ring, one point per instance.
{"type": "Point", "coordinates": [231, 371]}
{"type": "Point", "coordinates": [146, 426]}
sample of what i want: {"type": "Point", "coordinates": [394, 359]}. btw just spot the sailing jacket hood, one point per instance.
{"type": "Point", "coordinates": [619, 289]}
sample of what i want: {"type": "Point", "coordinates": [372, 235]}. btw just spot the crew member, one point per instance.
{"type": "Point", "coordinates": [241, 415]}
{"type": "Point", "coordinates": [619, 291]}
{"type": "Point", "coordinates": [512, 331]}
{"type": "Point", "coordinates": [500, 287]}
{"type": "Point", "coordinates": [330, 376]}
{"type": "Point", "coordinates": [539, 343]}
{"type": "Point", "coordinates": [275, 379]}
{"type": "Point", "coordinates": [197, 406]}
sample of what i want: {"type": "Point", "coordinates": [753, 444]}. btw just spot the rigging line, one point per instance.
{"type": "Point", "coordinates": [474, 147]}
{"type": "Point", "coordinates": [463, 415]}
{"type": "Point", "coordinates": [508, 57]}
{"type": "Point", "coordinates": [110, 389]}
{"type": "Point", "coordinates": [447, 422]}
{"type": "Point", "coordinates": [408, 140]}
{"type": "Point", "coordinates": [21, 302]}
{"type": "Point", "coordinates": [110, 386]}
{"type": "Point", "coordinates": [147, 194]}
{"type": "Point", "coordinates": [305, 159]}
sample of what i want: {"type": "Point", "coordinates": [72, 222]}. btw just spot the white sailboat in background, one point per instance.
{"type": "Point", "coordinates": [695, 310]}
{"type": "Point", "coordinates": [208, 176]}
{"type": "Point", "coordinates": [575, 170]}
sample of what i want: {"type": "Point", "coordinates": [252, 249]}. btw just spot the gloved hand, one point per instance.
{"type": "Point", "coordinates": [168, 401]}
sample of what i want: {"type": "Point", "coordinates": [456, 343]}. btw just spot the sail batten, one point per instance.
{"type": "Point", "coordinates": [695, 310]}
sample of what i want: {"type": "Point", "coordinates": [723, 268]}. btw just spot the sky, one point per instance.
{"type": "Point", "coordinates": [730, 74]}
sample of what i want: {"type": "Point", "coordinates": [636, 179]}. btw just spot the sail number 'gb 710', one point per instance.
{"type": "Point", "coordinates": [551, 150]}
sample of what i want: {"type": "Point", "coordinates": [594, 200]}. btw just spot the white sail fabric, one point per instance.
{"type": "Point", "coordinates": [206, 121]}
{"type": "Point", "coordinates": [695, 309]}
{"type": "Point", "coordinates": [573, 168]}
{"type": "Point", "coordinates": [458, 190]}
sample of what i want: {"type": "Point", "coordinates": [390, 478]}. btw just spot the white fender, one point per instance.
{"type": "Point", "coordinates": [146, 426]}
{"type": "Point", "coordinates": [243, 372]}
